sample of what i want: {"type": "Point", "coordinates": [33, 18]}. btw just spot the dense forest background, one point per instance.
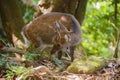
{"type": "Point", "coordinates": [100, 24]}
{"type": "Point", "coordinates": [100, 28]}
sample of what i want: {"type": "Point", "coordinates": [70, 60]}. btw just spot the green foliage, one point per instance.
{"type": "Point", "coordinates": [15, 71]}
{"type": "Point", "coordinates": [3, 61]}
{"type": "Point", "coordinates": [31, 57]}
{"type": "Point", "coordinates": [98, 28]}
{"type": "Point", "coordinates": [58, 62]}
{"type": "Point", "coordinates": [35, 53]}
{"type": "Point", "coordinates": [27, 11]}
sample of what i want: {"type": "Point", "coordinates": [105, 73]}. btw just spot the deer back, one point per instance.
{"type": "Point", "coordinates": [53, 28]}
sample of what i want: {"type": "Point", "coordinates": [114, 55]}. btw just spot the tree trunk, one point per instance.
{"type": "Point", "coordinates": [80, 10]}
{"type": "Point", "coordinates": [12, 21]}
{"type": "Point", "coordinates": [75, 7]}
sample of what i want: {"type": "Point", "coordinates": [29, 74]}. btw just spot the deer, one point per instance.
{"type": "Point", "coordinates": [60, 31]}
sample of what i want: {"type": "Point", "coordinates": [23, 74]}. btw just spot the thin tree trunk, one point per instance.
{"type": "Point", "coordinates": [117, 33]}
{"type": "Point", "coordinates": [12, 21]}
{"type": "Point", "coordinates": [80, 10]}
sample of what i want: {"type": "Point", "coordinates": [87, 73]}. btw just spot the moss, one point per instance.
{"type": "Point", "coordinates": [87, 65]}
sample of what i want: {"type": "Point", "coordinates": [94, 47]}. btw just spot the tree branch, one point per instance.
{"type": "Point", "coordinates": [12, 49]}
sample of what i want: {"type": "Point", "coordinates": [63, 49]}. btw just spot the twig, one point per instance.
{"type": "Point", "coordinates": [13, 50]}
{"type": "Point", "coordinates": [42, 70]}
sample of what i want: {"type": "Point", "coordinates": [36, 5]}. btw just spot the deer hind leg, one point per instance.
{"type": "Point", "coordinates": [40, 44]}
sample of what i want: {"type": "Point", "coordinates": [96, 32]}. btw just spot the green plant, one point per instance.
{"type": "Point", "coordinates": [98, 31]}
{"type": "Point", "coordinates": [15, 71]}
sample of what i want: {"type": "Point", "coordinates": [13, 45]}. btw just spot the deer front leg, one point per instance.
{"type": "Point", "coordinates": [55, 49]}
{"type": "Point", "coordinates": [59, 55]}
{"type": "Point", "coordinates": [72, 49]}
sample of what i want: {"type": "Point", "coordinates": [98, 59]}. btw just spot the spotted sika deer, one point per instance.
{"type": "Point", "coordinates": [59, 30]}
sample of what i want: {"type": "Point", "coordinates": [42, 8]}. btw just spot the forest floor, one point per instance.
{"type": "Point", "coordinates": [47, 71]}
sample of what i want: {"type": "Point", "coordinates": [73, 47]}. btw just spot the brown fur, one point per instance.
{"type": "Point", "coordinates": [45, 30]}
